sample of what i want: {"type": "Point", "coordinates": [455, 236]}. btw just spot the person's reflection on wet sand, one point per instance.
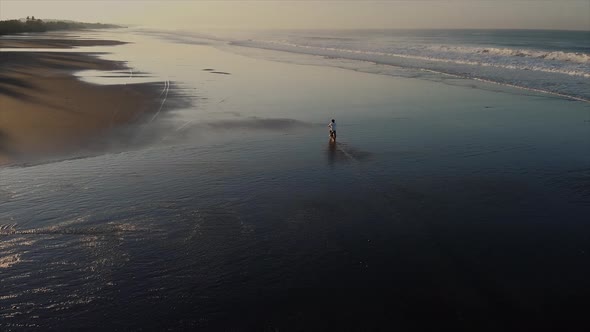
{"type": "Point", "coordinates": [331, 152]}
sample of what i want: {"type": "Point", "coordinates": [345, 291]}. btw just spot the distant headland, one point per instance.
{"type": "Point", "coordinates": [32, 24]}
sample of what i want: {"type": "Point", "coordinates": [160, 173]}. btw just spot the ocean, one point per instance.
{"type": "Point", "coordinates": [457, 195]}
{"type": "Point", "coordinates": [548, 61]}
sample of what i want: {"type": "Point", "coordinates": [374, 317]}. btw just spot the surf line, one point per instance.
{"type": "Point", "coordinates": [423, 58]}
{"type": "Point", "coordinates": [514, 86]}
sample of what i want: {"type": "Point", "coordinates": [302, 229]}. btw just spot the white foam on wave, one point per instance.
{"type": "Point", "coordinates": [560, 80]}
{"type": "Point", "coordinates": [562, 73]}
{"type": "Point", "coordinates": [9, 260]}
{"type": "Point", "coordinates": [370, 56]}
{"type": "Point", "coordinates": [509, 52]}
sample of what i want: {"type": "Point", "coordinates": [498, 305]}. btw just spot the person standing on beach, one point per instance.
{"type": "Point", "coordinates": [332, 126]}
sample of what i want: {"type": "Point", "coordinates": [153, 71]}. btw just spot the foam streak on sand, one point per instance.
{"type": "Point", "coordinates": [165, 92]}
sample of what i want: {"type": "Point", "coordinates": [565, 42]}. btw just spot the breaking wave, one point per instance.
{"type": "Point", "coordinates": [377, 56]}
{"type": "Point", "coordinates": [560, 73]}
{"type": "Point", "coordinates": [577, 57]}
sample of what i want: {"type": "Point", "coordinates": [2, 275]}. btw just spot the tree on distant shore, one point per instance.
{"type": "Point", "coordinates": [37, 25]}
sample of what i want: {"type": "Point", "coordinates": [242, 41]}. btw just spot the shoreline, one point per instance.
{"type": "Point", "coordinates": [46, 111]}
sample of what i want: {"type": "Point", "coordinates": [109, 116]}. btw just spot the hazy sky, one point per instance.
{"type": "Point", "coordinates": [189, 14]}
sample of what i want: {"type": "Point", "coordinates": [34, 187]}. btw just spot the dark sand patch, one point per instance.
{"type": "Point", "coordinates": [46, 112]}
{"type": "Point", "coordinates": [8, 42]}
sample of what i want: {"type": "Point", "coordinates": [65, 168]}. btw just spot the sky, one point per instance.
{"type": "Point", "coordinates": [318, 14]}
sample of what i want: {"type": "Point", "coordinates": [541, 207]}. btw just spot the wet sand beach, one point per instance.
{"type": "Point", "coordinates": [46, 110]}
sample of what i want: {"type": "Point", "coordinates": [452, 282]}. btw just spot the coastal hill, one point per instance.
{"type": "Point", "coordinates": [31, 24]}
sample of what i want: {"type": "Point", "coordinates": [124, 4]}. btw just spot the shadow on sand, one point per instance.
{"type": "Point", "coordinates": [14, 87]}
{"type": "Point", "coordinates": [5, 150]}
